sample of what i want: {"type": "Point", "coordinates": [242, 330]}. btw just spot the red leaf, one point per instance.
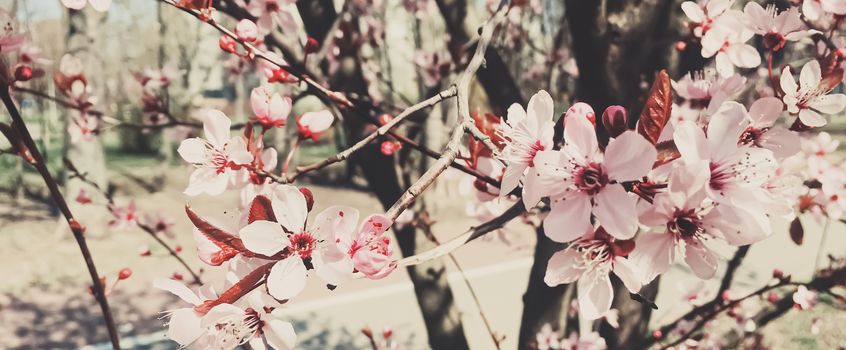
{"type": "Point", "coordinates": [261, 209]}
{"type": "Point", "coordinates": [229, 244]}
{"type": "Point", "coordinates": [656, 111]}
{"type": "Point", "coordinates": [667, 152]}
{"type": "Point", "coordinates": [831, 72]}
{"type": "Point", "coordinates": [797, 232]}
{"type": "Point", "coordinates": [487, 124]}
{"type": "Point", "coordinates": [238, 290]}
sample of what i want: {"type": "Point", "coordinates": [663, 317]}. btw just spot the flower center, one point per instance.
{"type": "Point", "coordinates": [685, 224]}
{"type": "Point", "coordinates": [590, 178]}
{"type": "Point", "coordinates": [303, 244]}
{"type": "Point", "coordinates": [752, 136]}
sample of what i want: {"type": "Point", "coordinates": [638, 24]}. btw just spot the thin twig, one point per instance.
{"type": "Point", "coordinates": [77, 229]}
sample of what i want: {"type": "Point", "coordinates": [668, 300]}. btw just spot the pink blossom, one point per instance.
{"type": "Point", "coordinates": [271, 110]}
{"type": "Point", "coordinates": [804, 298]}
{"type": "Point", "coordinates": [98, 5]}
{"type": "Point", "coordinates": [548, 339]}
{"type": "Point", "coordinates": [160, 223]}
{"type": "Point", "coordinates": [371, 248]}
{"type": "Point", "coordinates": [184, 324]}
{"type": "Point", "coordinates": [434, 65]}
{"type": "Point", "coordinates": [736, 174]}
{"type": "Point", "coordinates": [581, 180]}
{"type": "Point", "coordinates": [123, 217]}
{"type": "Point", "coordinates": [82, 197]}
{"type": "Point", "coordinates": [761, 131]}
{"type": "Point", "coordinates": [590, 260]}
{"type": "Point", "coordinates": [218, 157]}
{"type": "Point", "coordinates": [726, 41]}
{"type": "Point", "coordinates": [526, 132]}
{"type": "Point", "coordinates": [246, 30]}
{"type": "Point", "coordinates": [229, 326]}
{"type": "Point", "coordinates": [587, 341]}
{"type": "Point", "coordinates": [775, 27]}
{"type": "Point", "coordinates": [10, 39]}
{"type": "Point", "coordinates": [311, 124]}
{"type": "Point", "coordinates": [704, 13]}
{"type": "Point", "coordinates": [707, 89]}
{"type": "Point", "coordinates": [815, 9]}
{"type": "Point", "coordinates": [809, 98]}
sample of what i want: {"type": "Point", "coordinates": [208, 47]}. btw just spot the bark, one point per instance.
{"type": "Point", "coordinates": [541, 303]}
{"type": "Point", "coordinates": [434, 296]}
{"type": "Point", "coordinates": [618, 43]}
{"type": "Point", "coordinates": [88, 157]}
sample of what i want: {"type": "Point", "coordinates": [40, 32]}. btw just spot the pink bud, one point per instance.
{"type": "Point", "coordinates": [23, 73]}
{"type": "Point", "coordinates": [657, 334]}
{"type": "Point", "coordinates": [178, 248]}
{"type": "Point", "coordinates": [384, 118]}
{"type": "Point", "coordinates": [311, 46]}
{"type": "Point", "coordinates": [124, 273]}
{"type": "Point", "coordinates": [778, 273]}
{"type": "Point", "coordinates": [387, 332]}
{"type": "Point", "coordinates": [227, 44]}
{"type": "Point", "coordinates": [389, 147]}
{"type": "Point", "coordinates": [246, 30]}
{"type": "Point", "coordinates": [772, 297]}
{"type": "Point", "coordinates": [176, 276]}
{"type": "Point", "coordinates": [615, 120]}
{"type": "Point", "coordinates": [144, 251]}
{"type": "Point", "coordinates": [680, 45]}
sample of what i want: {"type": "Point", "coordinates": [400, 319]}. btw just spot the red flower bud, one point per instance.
{"type": "Point", "coordinates": [311, 46]}
{"type": "Point", "coordinates": [228, 44]}
{"type": "Point", "coordinates": [389, 147]}
{"type": "Point", "coordinates": [387, 332]}
{"type": "Point", "coordinates": [23, 73]}
{"type": "Point", "coordinates": [778, 273]}
{"type": "Point", "coordinates": [657, 334]}
{"type": "Point", "coordinates": [384, 118]}
{"type": "Point", "coordinates": [772, 297]}
{"type": "Point", "coordinates": [615, 120]}
{"type": "Point", "coordinates": [680, 45]}
{"type": "Point", "coordinates": [124, 273]}
{"type": "Point", "coordinates": [309, 197]}
{"type": "Point", "coordinates": [178, 248]}
{"type": "Point", "coordinates": [176, 276]}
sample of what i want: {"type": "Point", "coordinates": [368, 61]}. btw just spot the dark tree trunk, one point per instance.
{"type": "Point", "coordinates": [618, 44]}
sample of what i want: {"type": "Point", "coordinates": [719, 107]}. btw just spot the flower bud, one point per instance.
{"type": "Point", "coordinates": [246, 30]}
{"type": "Point", "coordinates": [384, 118]}
{"type": "Point", "coordinates": [176, 276]}
{"type": "Point", "coordinates": [387, 332]}
{"type": "Point", "coordinates": [367, 332]}
{"type": "Point", "coordinates": [178, 248]}
{"type": "Point", "coordinates": [227, 44]}
{"type": "Point", "coordinates": [311, 46]}
{"type": "Point", "coordinates": [389, 147]}
{"type": "Point", "coordinates": [615, 120]}
{"type": "Point", "coordinates": [144, 251]}
{"type": "Point", "coordinates": [23, 73]}
{"type": "Point", "coordinates": [681, 45]}
{"type": "Point", "coordinates": [657, 334]}
{"type": "Point", "coordinates": [124, 273]}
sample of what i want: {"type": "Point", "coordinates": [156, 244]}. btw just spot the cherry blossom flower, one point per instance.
{"type": "Point", "coordinates": [761, 131]}
{"type": "Point", "coordinates": [82, 197]}
{"type": "Point", "coordinates": [160, 223]}
{"type": "Point", "coordinates": [246, 30]}
{"type": "Point", "coordinates": [83, 128]}
{"type": "Point", "coordinates": [579, 180]}
{"type": "Point", "coordinates": [332, 244]}
{"type": "Point", "coordinates": [434, 65]}
{"type": "Point", "coordinates": [271, 110]}
{"type": "Point", "coordinates": [726, 41]}
{"type": "Point", "coordinates": [218, 157]}
{"type": "Point", "coordinates": [526, 132]}
{"type": "Point", "coordinates": [804, 298]}
{"type": "Point", "coordinates": [708, 90]}
{"type": "Point", "coordinates": [547, 338]}
{"type": "Point", "coordinates": [312, 124]}
{"type": "Point", "coordinates": [270, 12]}
{"type": "Point", "coordinates": [587, 341]}
{"type": "Point", "coordinates": [255, 324]}
{"type": "Point", "coordinates": [98, 5]}
{"type": "Point", "coordinates": [185, 324]}
{"type": "Point", "coordinates": [775, 27]}
{"type": "Point", "coordinates": [704, 13]}
{"type": "Point", "coordinates": [809, 98]}
{"type": "Point", "coordinates": [683, 218]}
{"type": "Point", "coordinates": [815, 9]}
{"type": "Point", "coordinates": [123, 217]}
{"type": "Point", "coordinates": [31, 54]}
{"type": "Point", "coordinates": [590, 260]}
{"type": "Point", "coordinates": [736, 173]}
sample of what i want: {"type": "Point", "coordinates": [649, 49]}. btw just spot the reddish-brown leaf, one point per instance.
{"type": "Point", "coordinates": [238, 290]}
{"type": "Point", "coordinates": [656, 111]}
{"type": "Point", "coordinates": [217, 235]}
{"type": "Point", "coordinates": [261, 209]}
{"type": "Point", "coordinates": [831, 72]}
{"type": "Point", "coordinates": [487, 124]}
{"type": "Point", "coordinates": [667, 152]}
{"type": "Point", "coordinates": [797, 232]}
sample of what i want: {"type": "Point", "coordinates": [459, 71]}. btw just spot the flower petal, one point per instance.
{"type": "Point", "coordinates": [563, 267]}
{"type": "Point", "coordinates": [701, 260]}
{"type": "Point", "coordinates": [264, 237]}
{"type": "Point", "coordinates": [629, 157]}
{"type": "Point", "coordinates": [287, 278]}
{"type": "Point", "coordinates": [568, 219]}
{"type": "Point", "coordinates": [216, 128]}
{"type": "Point", "coordinates": [616, 211]}
{"type": "Point", "coordinates": [595, 295]}
{"type": "Point", "coordinates": [280, 334]}
{"type": "Point", "coordinates": [193, 150]}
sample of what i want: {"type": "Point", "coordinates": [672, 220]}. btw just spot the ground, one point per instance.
{"type": "Point", "coordinates": [44, 301]}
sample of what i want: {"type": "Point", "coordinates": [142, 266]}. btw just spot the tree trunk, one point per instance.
{"type": "Point", "coordinates": [542, 304]}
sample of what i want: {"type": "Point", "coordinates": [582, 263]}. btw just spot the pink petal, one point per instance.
{"type": "Point", "coordinates": [264, 237]}
{"type": "Point", "coordinates": [290, 207]}
{"type": "Point", "coordinates": [193, 150]}
{"type": "Point", "coordinates": [280, 107]}
{"type": "Point", "coordinates": [74, 4]}
{"type": "Point", "coordinates": [829, 104]}
{"type": "Point", "coordinates": [184, 326]}
{"type": "Point", "coordinates": [629, 274]}
{"type": "Point", "coordinates": [691, 142]}
{"type": "Point", "coordinates": [580, 134]}
{"type": "Point", "coordinates": [788, 84]}
{"type": "Point", "coordinates": [595, 295]}
{"type": "Point", "coordinates": [287, 278]}
{"type": "Point", "coordinates": [629, 157]}
{"type": "Point", "coordinates": [653, 254]}
{"type": "Point", "coordinates": [511, 178]}
{"type": "Point", "coordinates": [725, 128]}
{"type": "Point", "coordinates": [100, 5]}
{"type": "Point", "coordinates": [765, 111]}
{"type": "Point", "coordinates": [317, 122]}
{"type": "Point", "coordinates": [744, 56]}
{"type": "Point", "coordinates": [616, 210]}
{"type": "Point", "coordinates": [563, 267]}
{"type": "Point", "coordinates": [810, 76]}
{"type": "Point", "coordinates": [539, 111]}
{"type": "Point", "coordinates": [693, 11]}
{"type": "Point", "coordinates": [259, 102]}
{"type": "Point", "coordinates": [782, 142]}
{"type": "Point", "coordinates": [208, 181]}
{"type": "Point", "coordinates": [178, 289]}
{"type": "Point", "coordinates": [280, 335]}
{"type": "Point", "coordinates": [568, 219]}
{"type": "Point", "coordinates": [216, 128]}
{"type": "Point", "coordinates": [700, 259]}
{"type": "Point", "coordinates": [811, 118]}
